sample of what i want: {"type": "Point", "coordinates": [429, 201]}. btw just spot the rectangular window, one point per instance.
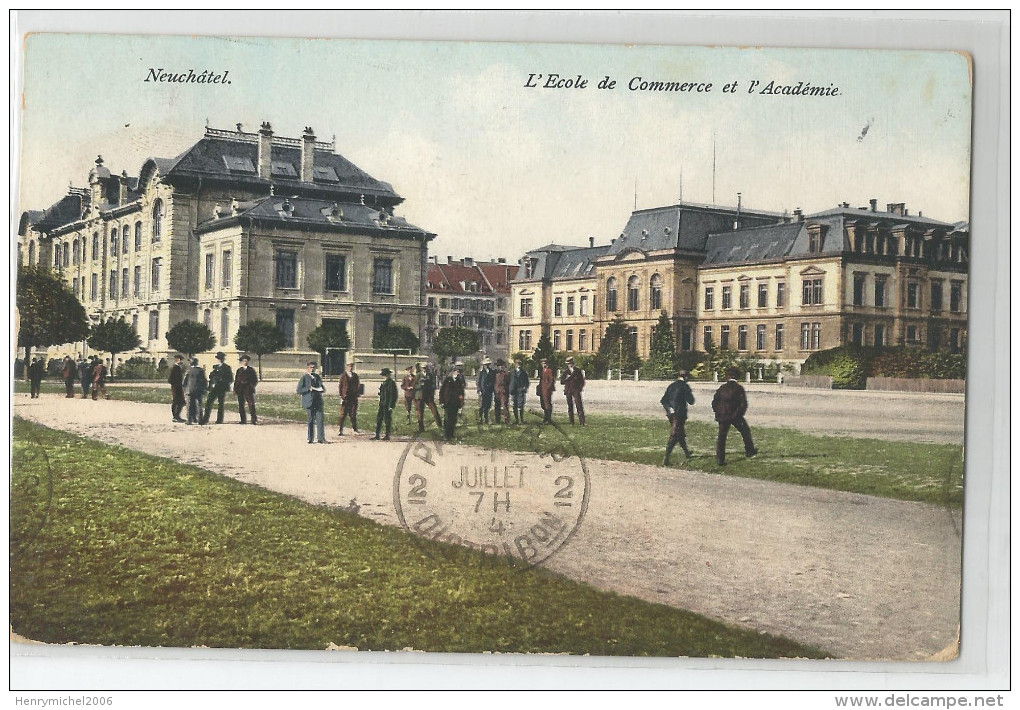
{"type": "Point", "coordinates": [779, 336]}
{"type": "Point", "coordinates": [912, 334]}
{"type": "Point", "coordinates": [94, 290]}
{"type": "Point", "coordinates": [125, 282]}
{"type": "Point", "coordinates": [285, 322]}
{"type": "Point", "coordinates": [634, 337]}
{"type": "Point", "coordinates": [582, 341]}
{"type": "Point", "coordinates": [879, 336]}
{"type": "Point", "coordinates": [686, 338]}
{"type": "Point", "coordinates": [955, 297]}
{"type": "Point", "coordinates": [570, 340]}
{"type": "Point", "coordinates": [780, 294]}
{"type": "Point", "coordinates": [913, 295]}
{"type": "Point", "coordinates": [138, 281]}
{"type": "Point", "coordinates": [442, 319]}
{"type": "Point", "coordinates": [880, 292]}
{"type": "Point", "coordinates": [726, 297]}
{"type": "Point", "coordinates": [444, 302]}
{"type": "Point", "coordinates": [138, 237]}
{"type": "Point", "coordinates": [724, 338]}
{"type": "Point", "coordinates": [584, 305]}
{"type": "Point", "coordinates": [113, 283]}
{"type": "Point", "coordinates": [224, 326]}
{"type": "Point", "coordinates": [153, 325]}
{"type": "Point", "coordinates": [526, 308]}
{"type": "Point", "coordinates": [432, 302]}
{"type": "Point", "coordinates": [557, 307]}
{"type": "Point", "coordinates": [858, 289]}
{"type": "Point", "coordinates": [526, 343]}
{"type": "Point", "coordinates": [709, 298]}
{"type": "Point", "coordinates": [759, 341]}
{"type": "Point", "coordinates": [936, 295]}
{"type": "Point", "coordinates": [227, 270]}
{"type": "Point", "coordinates": [134, 322]}
{"type": "Point", "coordinates": [707, 338]}
{"type": "Point", "coordinates": [816, 336]}
{"type": "Point", "coordinates": [812, 292]}
{"type": "Point", "coordinates": [380, 321]}
{"type": "Point", "coordinates": [157, 271]}
{"type": "Point", "coordinates": [745, 295]}
{"type": "Point", "coordinates": [742, 337]}
{"type": "Point", "coordinates": [210, 264]}
{"type": "Point", "coordinates": [207, 318]}
{"type": "Point", "coordinates": [382, 276]}
{"type": "Point", "coordinates": [556, 340]}
{"type": "Point", "coordinates": [570, 305]}
{"type": "Point", "coordinates": [336, 274]}
{"type": "Point", "coordinates": [763, 295]}
{"type": "Point", "coordinates": [857, 334]}
{"type": "Point", "coordinates": [286, 271]}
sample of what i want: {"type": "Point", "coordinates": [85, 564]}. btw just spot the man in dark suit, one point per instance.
{"type": "Point", "coordinates": [350, 390]}
{"type": "Point", "coordinates": [678, 395]}
{"type": "Point", "coordinates": [486, 387]}
{"type": "Point", "coordinates": [546, 387]}
{"type": "Point", "coordinates": [221, 379]}
{"type": "Point", "coordinates": [573, 383]}
{"type": "Point", "coordinates": [502, 393]}
{"type": "Point", "coordinates": [99, 373]}
{"type": "Point", "coordinates": [245, 381]}
{"type": "Point", "coordinates": [310, 388]}
{"type": "Point", "coordinates": [176, 380]}
{"type": "Point", "coordinates": [195, 385]}
{"type": "Point", "coordinates": [407, 385]}
{"type": "Point", "coordinates": [425, 395]}
{"type": "Point", "coordinates": [519, 384]}
{"type": "Point", "coordinates": [70, 373]}
{"type": "Point", "coordinates": [387, 401]}
{"type": "Point", "coordinates": [83, 377]}
{"type": "Point", "coordinates": [730, 405]}
{"type": "Point", "coordinates": [35, 376]}
{"type": "Point", "coordinates": [451, 396]}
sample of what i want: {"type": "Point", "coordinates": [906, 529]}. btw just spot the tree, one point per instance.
{"type": "Point", "coordinates": [544, 351]}
{"type": "Point", "coordinates": [395, 337]}
{"type": "Point", "coordinates": [617, 348]}
{"type": "Point", "coordinates": [114, 336]}
{"type": "Point", "coordinates": [50, 313]}
{"type": "Point", "coordinates": [329, 335]}
{"type": "Point", "coordinates": [456, 340]}
{"type": "Point", "coordinates": [260, 337]}
{"type": "Point", "coordinates": [662, 360]}
{"type": "Point", "coordinates": [190, 337]}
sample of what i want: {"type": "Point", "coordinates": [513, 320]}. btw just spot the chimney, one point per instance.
{"type": "Point", "coordinates": [123, 188]}
{"type": "Point", "coordinates": [899, 208]}
{"type": "Point", "coordinates": [798, 215]}
{"type": "Point", "coordinates": [265, 150]}
{"type": "Point", "coordinates": [591, 242]}
{"type": "Point", "coordinates": [449, 259]}
{"type": "Point", "coordinates": [501, 260]}
{"type": "Point", "coordinates": [736, 222]}
{"type": "Point", "coordinates": [307, 154]}
{"type": "Point", "coordinates": [467, 261]}
{"type": "Point", "coordinates": [874, 204]}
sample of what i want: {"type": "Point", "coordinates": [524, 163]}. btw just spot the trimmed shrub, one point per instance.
{"type": "Point", "coordinates": [137, 368]}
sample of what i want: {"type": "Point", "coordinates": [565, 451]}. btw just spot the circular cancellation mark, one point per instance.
{"type": "Point", "coordinates": [521, 505]}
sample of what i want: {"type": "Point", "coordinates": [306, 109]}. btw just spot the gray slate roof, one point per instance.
{"type": "Point", "coordinates": [682, 226]}
{"type": "Point", "coordinates": [556, 261]}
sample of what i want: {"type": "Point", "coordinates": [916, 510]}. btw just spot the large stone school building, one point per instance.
{"type": "Point", "coordinates": [240, 226]}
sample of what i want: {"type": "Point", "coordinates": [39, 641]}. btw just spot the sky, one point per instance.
{"type": "Point", "coordinates": [495, 167]}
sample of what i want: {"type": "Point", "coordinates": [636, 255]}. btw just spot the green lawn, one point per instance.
{"type": "Point", "coordinates": [110, 546]}
{"type": "Point", "coordinates": [932, 473]}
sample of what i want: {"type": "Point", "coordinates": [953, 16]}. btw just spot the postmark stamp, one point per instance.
{"type": "Point", "coordinates": [522, 505]}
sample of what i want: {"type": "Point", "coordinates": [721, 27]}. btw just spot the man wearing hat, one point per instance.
{"type": "Point", "coordinates": [407, 386]}
{"type": "Point", "coordinates": [730, 405]}
{"type": "Point", "coordinates": [486, 387]}
{"type": "Point", "coordinates": [245, 381]}
{"type": "Point", "coordinates": [310, 388]}
{"type": "Point", "coordinates": [350, 390]}
{"type": "Point", "coordinates": [546, 387]}
{"type": "Point", "coordinates": [176, 380]}
{"type": "Point", "coordinates": [451, 396]}
{"type": "Point", "coordinates": [425, 395]}
{"type": "Point", "coordinates": [220, 381]}
{"type": "Point", "coordinates": [502, 393]}
{"type": "Point", "coordinates": [678, 395]}
{"type": "Point", "coordinates": [519, 384]}
{"type": "Point", "coordinates": [387, 401]}
{"type": "Point", "coordinates": [195, 385]}
{"type": "Point", "coordinates": [573, 383]}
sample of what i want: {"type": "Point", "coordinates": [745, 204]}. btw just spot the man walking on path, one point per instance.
{"type": "Point", "coordinates": [176, 380]}
{"type": "Point", "coordinates": [245, 381]}
{"type": "Point", "coordinates": [573, 384]}
{"type": "Point", "coordinates": [425, 396]}
{"type": "Point", "coordinates": [195, 385]}
{"type": "Point", "coordinates": [70, 373]}
{"type": "Point", "coordinates": [387, 402]}
{"type": "Point", "coordinates": [350, 390]}
{"type": "Point", "coordinates": [407, 385]}
{"type": "Point", "coordinates": [502, 392]}
{"type": "Point", "coordinates": [730, 405]}
{"type": "Point", "coordinates": [83, 377]}
{"type": "Point", "coordinates": [519, 384]}
{"type": "Point", "coordinates": [486, 387]}
{"type": "Point", "coordinates": [35, 376]}
{"type": "Point", "coordinates": [546, 387]}
{"type": "Point", "coordinates": [221, 379]}
{"type": "Point", "coordinates": [678, 395]}
{"type": "Point", "coordinates": [310, 388]}
{"type": "Point", "coordinates": [451, 396]}
{"type": "Point", "coordinates": [99, 374]}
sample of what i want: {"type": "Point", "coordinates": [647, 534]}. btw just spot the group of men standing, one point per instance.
{"type": "Point", "coordinates": [91, 373]}
{"type": "Point", "coordinates": [189, 384]}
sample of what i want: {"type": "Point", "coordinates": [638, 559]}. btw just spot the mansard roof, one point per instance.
{"type": "Point", "coordinates": [556, 261]}
{"type": "Point", "coordinates": [308, 213]}
{"type": "Point", "coordinates": [69, 208]}
{"type": "Point", "coordinates": [684, 226]}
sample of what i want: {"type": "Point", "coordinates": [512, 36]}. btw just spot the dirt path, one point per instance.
{"type": "Point", "coordinates": [862, 577]}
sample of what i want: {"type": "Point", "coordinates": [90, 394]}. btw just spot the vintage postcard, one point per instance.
{"type": "Point", "coordinates": [468, 347]}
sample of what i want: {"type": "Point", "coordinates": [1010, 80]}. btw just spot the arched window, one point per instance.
{"type": "Point", "coordinates": [611, 304]}
{"type": "Point", "coordinates": [138, 238]}
{"type": "Point", "coordinates": [95, 246]}
{"type": "Point", "coordinates": [77, 250]}
{"type": "Point", "coordinates": [113, 242]}
{"type": "Point", "coordinates": [157, 220]}
{"type": "Point", "coordinates": [633, 293]}
{"type": "Point", "coordinates": [125, 238]}
{"type": "Point", "coordinates": [56, 255]}
{"type": "Point", "coordinates": [66, 253]}
{"type": "Point", "coordinates": [31, 253]}
{"type": "Point", "coordinates": [656, 292]}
